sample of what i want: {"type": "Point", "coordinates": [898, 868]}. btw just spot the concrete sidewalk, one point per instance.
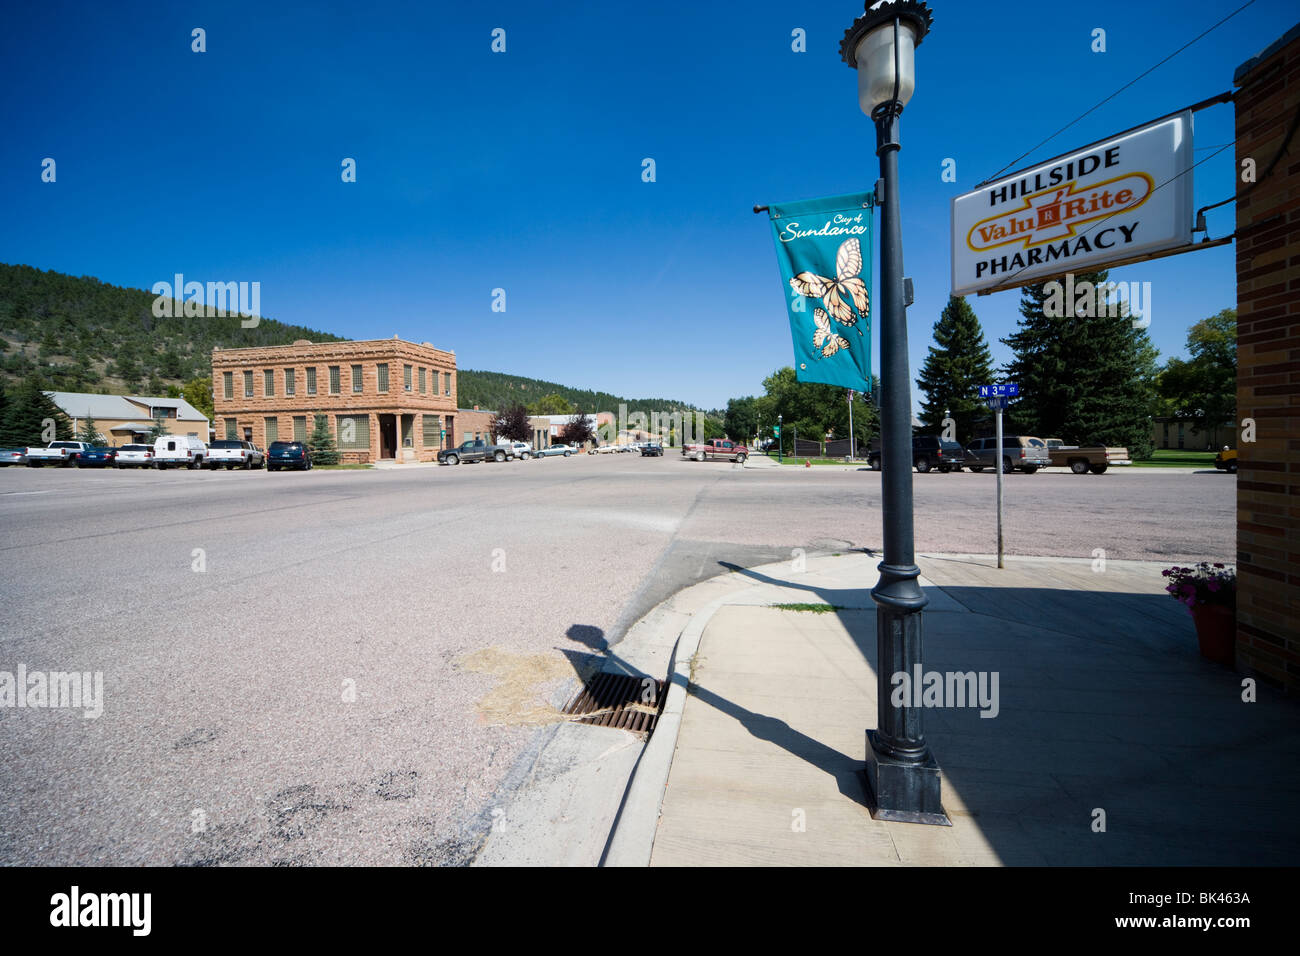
{"type": "Point", "coordinates": [1104, 710]}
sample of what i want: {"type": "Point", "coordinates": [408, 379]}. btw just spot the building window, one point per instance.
{"type": "Point", "coordinates": [334, 379]}
{"type": "Point", "coordinates": [272, 430]}
{"type": "Point", "coordinates": [432, 431]}
{"type": "Point", "coordinates": [248, 384]}
{"type": "Point", "coordinates": [268, 382]}
{"type": "Point", "coordinates": [436, 380]}
{"type": "Point", "coordinates": [300, 428]}
{"type": "Point", "coordinates": [288, 381]}
{"type": "Point", "coordinates": [447, 380]}
{"type": "Point", "coordinates": [423, 381]}
{"type": "Point", "coordinates": [354, 432]}
{"type": "Point", "coordinates": [406, 377]}
{"type": "Point", "coordinates": [356, 380]}
{"type": "Point", "coordinates": [382, 368]}
{"type": "Point", "coordinates": [228, 383]}
{"type": "Point", "coordinates": [311, 381]}
{"type": "Point", "coordinates": [232, 429]}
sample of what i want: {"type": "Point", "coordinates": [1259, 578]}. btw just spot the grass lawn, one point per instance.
{"type": "Point", "coordinates": [792, 460]}
{"type": "Point", "coordinates": [1178, 458]}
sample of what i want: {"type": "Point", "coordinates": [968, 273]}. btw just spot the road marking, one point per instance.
{"type": "Point", "coordinates": [45, 492]}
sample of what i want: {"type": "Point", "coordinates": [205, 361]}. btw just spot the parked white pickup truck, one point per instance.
{"type": "Point", "coordinates": [57, 453]}
{"type": "Point", "coordinates": [234, 454]}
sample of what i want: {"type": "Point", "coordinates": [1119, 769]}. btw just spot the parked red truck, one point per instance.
{"type": "Point", "coordinates": [718, 449]}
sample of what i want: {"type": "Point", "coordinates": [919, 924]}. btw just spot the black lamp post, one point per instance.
{"type": "Point", "coordinates": [780, 438]}
{"type": "Point", "coordinates": [902, 774]}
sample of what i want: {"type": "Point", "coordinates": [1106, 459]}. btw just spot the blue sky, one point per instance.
{"type": "Point", "coordinates": [522, 170]}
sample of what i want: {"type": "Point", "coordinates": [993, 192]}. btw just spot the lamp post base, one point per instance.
{"type": "Point", "coordinates": [893, 785]}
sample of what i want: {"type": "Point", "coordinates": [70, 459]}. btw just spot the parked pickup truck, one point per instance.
{"type": "Point", "coordinates": [1089, 458]}
{"type": "Point", "coordinates": [476, 450]}
{"type": "Point", "coordinates": [57, 453]}
{"type": "Point", "coordinates": [718, 449]}
{"type": "Point", "coordinates": [234, 454]}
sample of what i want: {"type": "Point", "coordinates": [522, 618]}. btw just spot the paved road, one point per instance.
{"type": "Point", "coordinates": [348, 680]}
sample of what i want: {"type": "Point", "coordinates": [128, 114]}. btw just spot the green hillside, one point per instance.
{"type": "Point", "coordinates": [496, 390]}
{"type": "Point", "coordinates": [83, 335]}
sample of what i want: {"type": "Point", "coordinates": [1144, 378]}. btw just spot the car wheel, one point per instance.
{"type": "Point", "coordinates": [567, 454]}
{"type": "Point", "coordinates": [270, 468]}
{"type": "Point", "coordinates": [1006, 466]}
{"type": "Point", "coordinates": [740, 458]}
{"type": "Point", "coordinates": [453, 460]}
{"type": "Point", "coordinates": [977, 468]}
{"type": "Point", "coordinates": [1079, 467]}
{"type": "Point", "coordinates": [1098, 469]}
{"type": "Point", "coordinates": [525, 456]}
{"type": "Point", "coordinates": [923, 465]}
{"type": "Point", "coordinates": [499, 456]}
{"type": "Point", "coordinates": [1232, 467]}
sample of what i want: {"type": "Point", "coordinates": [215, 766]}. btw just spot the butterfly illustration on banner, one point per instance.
{"type": "Point", "coordinates": [848, 263]}
{"type": "Point", "coordinates": [823, 338]}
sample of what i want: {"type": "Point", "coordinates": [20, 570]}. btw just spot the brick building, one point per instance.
{"type": "Point", "coordinates": [383, 398]}
{"type": "Point", "coordinates": [1268, 365]}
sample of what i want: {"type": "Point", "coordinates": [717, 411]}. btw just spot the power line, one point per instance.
{"type": "Point", "coordinates": [1120, 90]}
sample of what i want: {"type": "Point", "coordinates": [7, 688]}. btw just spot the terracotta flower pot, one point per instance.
{"type": "Point", "coordinates": [1216, 632]}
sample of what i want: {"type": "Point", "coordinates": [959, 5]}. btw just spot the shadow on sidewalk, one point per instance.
{"type": "Point", "coordinates": [1105, 713]}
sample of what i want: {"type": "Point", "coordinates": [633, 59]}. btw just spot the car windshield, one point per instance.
{"type": "Point", "coordinates": [225, 444]}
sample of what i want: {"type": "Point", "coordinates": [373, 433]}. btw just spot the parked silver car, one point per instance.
{"type": "Point", "coordinates": [1019, 453]}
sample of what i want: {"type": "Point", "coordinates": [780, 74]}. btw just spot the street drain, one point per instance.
{"type": "Point", "coordinates": [619, 700]}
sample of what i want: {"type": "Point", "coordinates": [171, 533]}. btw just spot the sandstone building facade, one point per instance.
{"type": "Point", "coordinates": [384, 399]}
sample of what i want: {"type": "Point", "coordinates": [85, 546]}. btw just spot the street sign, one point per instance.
{"type": "Point", "coordinates": [1009, 389]}
{"type": "Point", "coordinates": [998, 403]}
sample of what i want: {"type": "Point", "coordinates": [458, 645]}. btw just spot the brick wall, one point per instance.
{"type": "Point", "coordinates": [1268, 370]}
{"type": "Point", "coordinates": [371, 411]}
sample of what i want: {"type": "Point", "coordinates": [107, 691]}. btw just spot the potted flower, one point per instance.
{"type": "Point", "coordinates": [1210, 593]}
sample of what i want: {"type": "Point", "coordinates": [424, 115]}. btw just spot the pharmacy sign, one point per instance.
{"type": "Point", "coordinates": [1107, 203]}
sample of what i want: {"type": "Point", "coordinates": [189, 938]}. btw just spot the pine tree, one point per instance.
{"type": "Point", "coordinates": [159, 426]}
{"type": "Point", "coordinates": [89, 432]}
{"type": "Point", "coordinates": [1085, 377]}
{"type": "Point", "coordinates": [28, 413]}
{"type": "Point", "coordinates": [959, 362]}
{"type": "Point", "coordinates": [321, 442]}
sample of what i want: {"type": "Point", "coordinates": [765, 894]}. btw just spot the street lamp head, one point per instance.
{"type": "Point", "coordinates": [886, 76]}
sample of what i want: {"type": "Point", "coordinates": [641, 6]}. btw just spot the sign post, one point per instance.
{"type": "Point", "coordinates": [997, 397]}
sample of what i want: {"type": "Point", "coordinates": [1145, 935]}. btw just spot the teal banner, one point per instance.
{"type": "Point", "coordinates": [824, 249]}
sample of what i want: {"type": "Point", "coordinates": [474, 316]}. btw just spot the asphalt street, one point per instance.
{"type": "Point", "coordinates": [353, 667]}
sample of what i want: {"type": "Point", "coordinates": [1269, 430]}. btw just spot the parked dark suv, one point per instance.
{"type": "Point", "coordinates": [928, 451]}
{"type": "Point", "coordinates": [288, 454]}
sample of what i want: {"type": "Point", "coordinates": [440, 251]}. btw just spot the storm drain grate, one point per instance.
{"type": "Point", "coordinates": [628, 702]}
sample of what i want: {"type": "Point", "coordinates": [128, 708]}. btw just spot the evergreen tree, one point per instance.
{"type": "Point", "coordinates": [159, 426]}
{"type": "Point", "coordinates": [959, 362]}
{"type": "Point", "coordinates": [321, 442]}
{"type": "Point", "coordinates": [1085, 377]}
{"type": "Point", "coordinates": [28, 413]}
{"type": "Point", "coordinates": [89, 432]}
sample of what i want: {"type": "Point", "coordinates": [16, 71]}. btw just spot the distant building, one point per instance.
{"type": "Point", "coordinates": [384, 399]}
{"type": "Point", "coordinates": [128, 419]}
